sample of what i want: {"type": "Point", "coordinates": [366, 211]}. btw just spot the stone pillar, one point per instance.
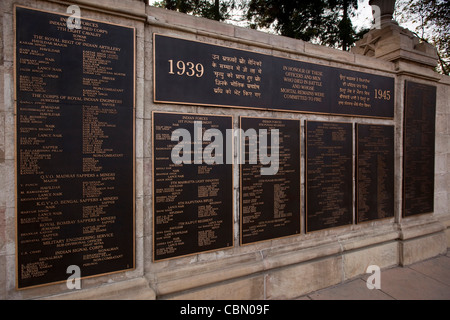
{"type": "Point", "coordinates": [421, 236]}
{"type": "Point", "coordinates": [388, 41]}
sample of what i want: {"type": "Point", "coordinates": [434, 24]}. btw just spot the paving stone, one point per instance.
{"type": "Point", "coordinates": [408, 284]}
{"type": "Point", "coordinates": [438, 269]}
{"type": "Point", "coordinates": [353, 290]}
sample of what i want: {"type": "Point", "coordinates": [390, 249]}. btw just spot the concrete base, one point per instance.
{"type": "Point", "coordinates": [446, 222]}
{"type": "Point", "coordinates": [280, 276]}
{"type": "Point", "coordinates": [136, 289]}
{"type": "Point", "coordinates": [284, 272]}
{"type": "Point", "coordinates": [301, 268]}
{"type": "Point", "coordinates": [420, 240]}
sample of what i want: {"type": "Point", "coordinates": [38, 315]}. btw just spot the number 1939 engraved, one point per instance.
{"type": "Point", "coordinates": [186, 68]}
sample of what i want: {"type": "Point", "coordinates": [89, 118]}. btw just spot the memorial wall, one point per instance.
{"type": "Point", "coordinates": [166, 156]}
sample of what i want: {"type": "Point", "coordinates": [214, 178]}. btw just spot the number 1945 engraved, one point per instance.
{"type": "Point", "coordinates": [186, 68]}
{"type": "Point", "coordinates": [382, 94]}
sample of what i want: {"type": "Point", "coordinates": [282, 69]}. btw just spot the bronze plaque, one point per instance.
{"type": "Point", "coordinates": [74, 147]}
{"type": "Point", "coordinates": [329, 183]}
{"type": "Point", "coordinates": [418, 148]}
{"type": "Point", "coordinates": [270, 201]}
{"type": "Point", "coordinates": [198, 73]}
{"type": "Point", "coordinates": [374, 172]}
{"type": "Point", "coordinates": [192, 196]}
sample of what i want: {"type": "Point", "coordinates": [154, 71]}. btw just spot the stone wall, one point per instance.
{"type": "Point", "coordinates": [276, 269]}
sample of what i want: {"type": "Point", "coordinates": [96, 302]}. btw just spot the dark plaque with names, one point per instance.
{"type": "Point", "coordinates": [374, 172]}
{"type": "Point", "coordinates": [198, 73]}
{"type": "Point", "coordinates": [329, 182]}
{"type": "Point", "coordinates": [192, 184]}
{"type": "Point", "coordinates": [270, 201]}
{"type": "Point", "coordinates": [74, 147]}
{"type": "Point", "coordinates": [418, 148]}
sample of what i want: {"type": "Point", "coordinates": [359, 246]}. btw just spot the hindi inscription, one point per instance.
{"type": "Point", "coordinates": [198, 73]}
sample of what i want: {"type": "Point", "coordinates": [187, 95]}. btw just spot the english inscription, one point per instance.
{"type": "Point", "coordinates": [270, 204]}
{"type": "Point", "coordinates": [329, 182]}
{"type": "Point", "coordinates": [374, 172]}
{"type": "Point", "coordinates": [75, 167]}
{"type": "Point", "coordinates": [193, 203]}
{"type": "Point", "coordinates": [193, 72]}
{"type": "Point", "coordinates": [418, 148]}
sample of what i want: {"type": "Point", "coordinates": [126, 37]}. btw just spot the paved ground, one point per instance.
{"type": "Point", "coordinates": [426, 280]}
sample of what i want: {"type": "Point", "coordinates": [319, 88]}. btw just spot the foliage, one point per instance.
{"type": "Point", "coordinates": [216, 10]}
{"type": "Point", "coordinates": [432, 20]}
{"type": "Point", "coordinates": [324, 21]}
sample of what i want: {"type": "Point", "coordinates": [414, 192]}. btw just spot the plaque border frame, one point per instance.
{"type": "Point", "coordinates": [255, 108]}
{"type": "Point", "coordinates": [16, 260]}
{"type": "Point", "coordinates": [306, 180]}
{"type": "Point", "coordinates": [299, 189]}
{"type": "Point", "coordinates": [232, 245]}
{"type": "Point", "coordinates": [356, 221]}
